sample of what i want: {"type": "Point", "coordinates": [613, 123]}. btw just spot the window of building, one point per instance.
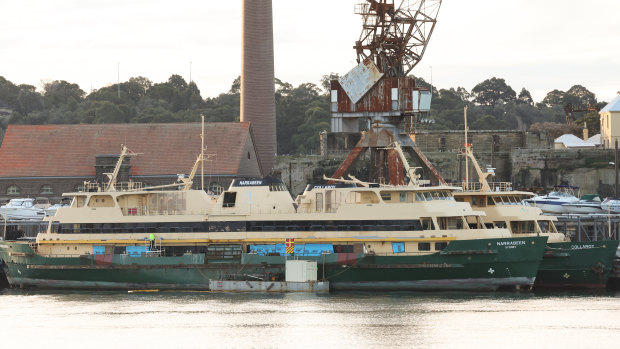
{"type": "Point", "coordinates": [46, 189]}
{"type": "Point", "coordinates": [12, 190]}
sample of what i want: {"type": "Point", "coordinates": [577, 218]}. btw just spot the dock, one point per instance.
{"type": "Point", "coordinates": [269, 286]}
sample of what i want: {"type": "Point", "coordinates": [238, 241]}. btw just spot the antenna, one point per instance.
{"type": "Point", "coordinates": [202, 154]}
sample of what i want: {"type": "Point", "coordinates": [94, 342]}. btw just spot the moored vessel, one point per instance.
{"type": "Point", "coordinates": [363, 236]}
{"type": "Point", "coordinates": [566, 263]}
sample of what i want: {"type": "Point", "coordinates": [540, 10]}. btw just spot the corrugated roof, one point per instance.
{"type": "Point", "coordinates": [572, 141]}
{"type": "Point", "coordinates": [596, 139]}
{"type": "Point", "coordinates": [166, 149]}
{"type": "Point", "coordinates": [614, 105]}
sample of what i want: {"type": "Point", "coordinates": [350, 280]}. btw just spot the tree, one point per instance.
{"type": "Point", "coordinates": [579, 96]}
{"type": "Point", "coordinates": [58, 92]}
{"type": "Point", "coordinates": [525, 97]}
{"type": "Point", "coordinates": [554, 98]}
{"type": "Point", "coordinates": [493, 91]}
{"type": "Point", "coordinates": [326, 81]}
{"type": "Point", "coordinates": [28, 99]}
{"type": "Point", "coordinates": [556, 129]}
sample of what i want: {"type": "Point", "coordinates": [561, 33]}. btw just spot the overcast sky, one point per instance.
{"type": "Point", "coordinates": [537, 44]}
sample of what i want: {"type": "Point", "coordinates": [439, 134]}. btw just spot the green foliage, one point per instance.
{"type": "Point", "coordinates": [525, 97]}
{"type": "Point", "coordinates": [493, 91]}
{"type": "Point", "coordinates": [302, 112]}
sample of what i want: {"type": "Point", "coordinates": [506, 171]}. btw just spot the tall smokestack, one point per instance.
{"type": "Point", "coordinates": [257, 78]}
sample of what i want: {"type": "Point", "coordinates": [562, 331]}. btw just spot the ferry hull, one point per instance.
{"type": "Point", "coordinates": [577, 265]}
{"type": "Point", "coordinates": [486, 264]}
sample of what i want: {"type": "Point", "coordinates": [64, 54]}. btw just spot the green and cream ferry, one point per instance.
{"type": "Point", "coordinates": [566, 263]}
{"type": "Point", "coordinates": [363, 236]}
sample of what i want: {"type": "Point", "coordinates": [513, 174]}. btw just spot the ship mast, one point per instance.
{"type": "Point", "coordinates": [114, 175]}
{"type": "Point", "coordinates": [482, 176]}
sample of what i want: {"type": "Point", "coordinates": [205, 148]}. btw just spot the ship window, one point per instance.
{"type": "Point", "coordinates": [319, 202]}
{"type": "Point", "coordinates": [229, 199]}
{"type": "Point", "coordinates": [100, 201]}
{"type": "Point", "coordinates": [424, 246]}
{"type": "Point", "coordinates": [386, 196]}
{"type": "Point", "coordinates": [78, 201]}
{"type": "Point", "coordinates": [546, 226]}
{"type": "Point", "coordinates": [475, 201]}
{"type": "Point", "coordinates": [403, 196]}
{"type": "Point", "coordinates": [490, 201]}
{"type": "Point", "coordinates": [46, 189]}
{"type": "Point", "coordinates": [12, 190]}
{"type": "Point", "coordinates": [427, 224]}
{"type": "Point", "coordinates": [446, 223]}
{"type": "Point", "coordinates": [500, 224]}
{"type": "Point", "coordinates": [522, 227]}
{"type": "Point", "coordinates": [440, 246]}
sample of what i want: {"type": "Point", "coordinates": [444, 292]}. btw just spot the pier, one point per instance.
{"type": "Point", "coordinates": [590, 227]}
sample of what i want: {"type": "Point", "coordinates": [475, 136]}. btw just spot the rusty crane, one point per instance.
{"type": "Point", "coordinates": [379, 90]}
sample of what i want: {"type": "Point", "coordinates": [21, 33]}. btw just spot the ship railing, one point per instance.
{"type": "Point", "coordinates": [128, 186]}
{"type": "Point", "coordinates": [477, 186]}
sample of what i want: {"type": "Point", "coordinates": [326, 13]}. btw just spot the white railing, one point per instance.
{"type": "Point", "coordinates": [477, 186]}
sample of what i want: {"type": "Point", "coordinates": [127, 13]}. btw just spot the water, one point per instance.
{"type": "Point", "coordinates": [342, 320]}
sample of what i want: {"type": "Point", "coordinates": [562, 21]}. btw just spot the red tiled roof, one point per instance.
{"type": "Point", "coordinates": [165, 149]}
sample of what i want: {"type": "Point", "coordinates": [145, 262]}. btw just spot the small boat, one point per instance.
{"type": "Point", "coordinates": [554, 201]}
{"type": "Point", "coordinates": [51, 211]}
{"type": "Point", "coordinates": [589, 203]}
{"type": "Point", "coordinates": [24, 209]}
{"type": "Point", "coordinates": [610, 205]}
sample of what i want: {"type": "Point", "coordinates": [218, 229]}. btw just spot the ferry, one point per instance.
{"type": "Point", "coordinates": [363, 236]}
{"type": "Point", "coordinates": [566, 263]}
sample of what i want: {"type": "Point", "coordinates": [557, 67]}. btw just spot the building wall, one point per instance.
{"type": "Point", "coordinates": [31, 187]}
{"type": "Point", "coordinates": [610, 129]}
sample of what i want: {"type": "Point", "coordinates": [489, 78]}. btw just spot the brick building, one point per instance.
{"type": "Point", "coordinates": [48, 160]}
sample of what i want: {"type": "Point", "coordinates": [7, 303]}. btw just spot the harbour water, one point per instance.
{"type": "Point", "coordinates": [58, 319]}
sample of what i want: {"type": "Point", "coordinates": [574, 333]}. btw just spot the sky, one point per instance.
{"type": "Point", "coordinates": [537, 44]}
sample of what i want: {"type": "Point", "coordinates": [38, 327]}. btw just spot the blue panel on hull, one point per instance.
{"type": "Point", "coordinates": [398, 247]}
{"type": "Point", "coordinates": [135, 251]}
{"type": "Point", "coordinates": [300, 249]}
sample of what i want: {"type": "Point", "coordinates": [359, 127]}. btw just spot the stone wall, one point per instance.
{"type": "Point", "coordinates": [589, 169]}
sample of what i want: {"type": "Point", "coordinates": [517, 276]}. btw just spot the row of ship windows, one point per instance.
{"type": "Point", "coordinates": [47, 189]}
{"type": "Point", "coordinates": [374, 225]}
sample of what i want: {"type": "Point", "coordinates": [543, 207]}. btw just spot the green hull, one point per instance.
{"type": "Point", "coordinates": [487, 264]}
{"type": "Point", "coordinates": [577, 265]}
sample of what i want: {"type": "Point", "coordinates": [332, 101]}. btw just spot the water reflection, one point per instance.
{"type": "Point", "coordinates": [194, 319]}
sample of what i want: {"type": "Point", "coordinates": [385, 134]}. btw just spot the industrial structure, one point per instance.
{"type": "Point", "coordinates": [257, 78]}
{"type": "Point", "coordinates": [379, 93]}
